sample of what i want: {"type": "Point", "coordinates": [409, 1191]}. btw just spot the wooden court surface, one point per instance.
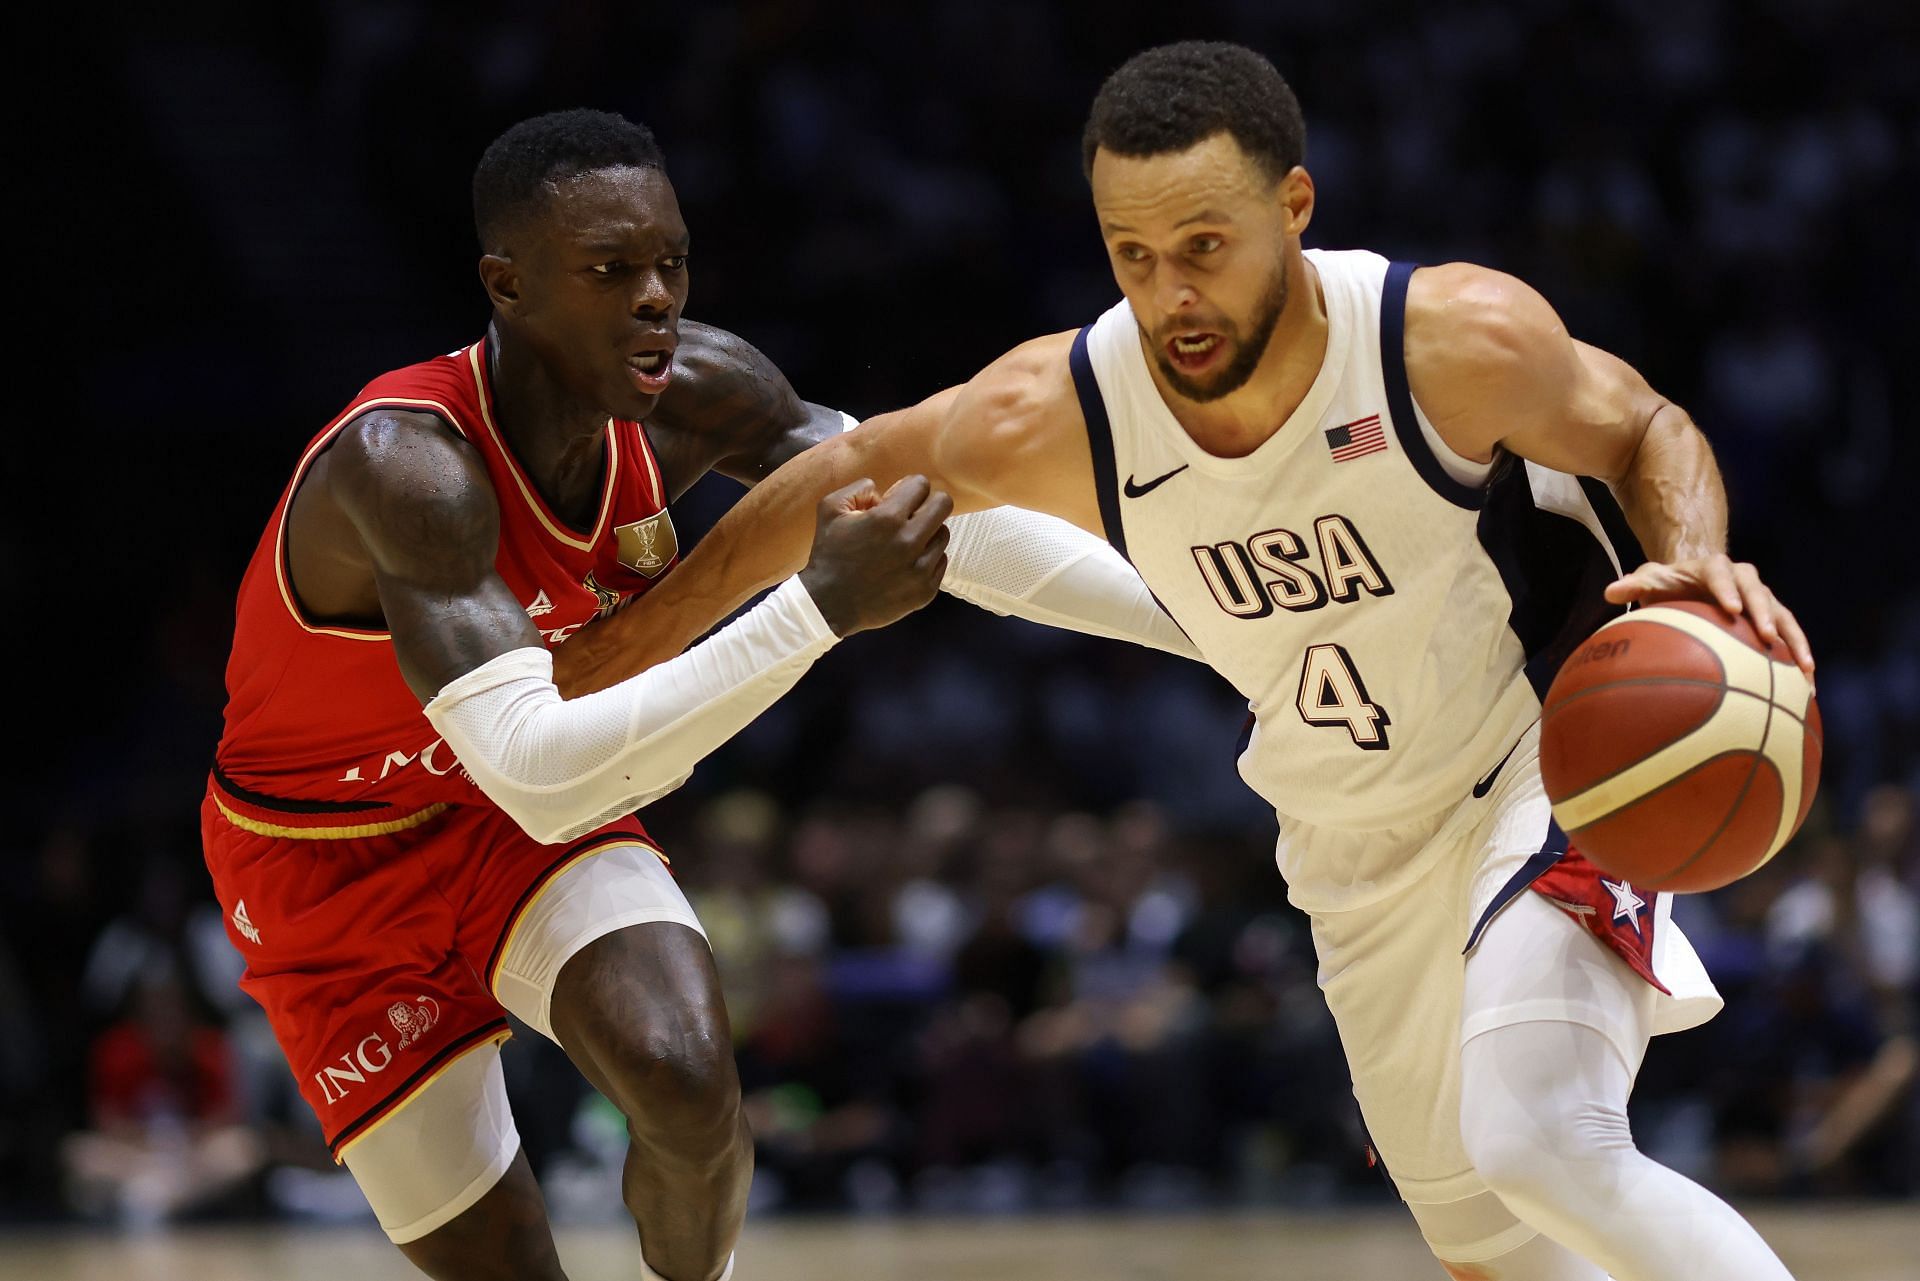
{"type": "Point", "coordinates": [1820, 1244]}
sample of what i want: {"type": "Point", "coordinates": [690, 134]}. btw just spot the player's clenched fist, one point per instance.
{"type": "Point", "coordinates": [877, 557]}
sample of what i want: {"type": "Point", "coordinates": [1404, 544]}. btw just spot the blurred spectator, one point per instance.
{"type": "Point", "coordinates": [165, 1134]}
{"type": "Point", "coordinates": [1859, 895]}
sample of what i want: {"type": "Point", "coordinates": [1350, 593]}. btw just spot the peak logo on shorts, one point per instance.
{"type": "Point", "coordinates": [244, 923]}
{"type": "Point", "coordinates": [371, 1055]}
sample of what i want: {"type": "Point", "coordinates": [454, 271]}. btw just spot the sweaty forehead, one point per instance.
{"type": "Point", "coordinates": [614, 206]}
{"type": "Point", "coordinates": [1143, 193]}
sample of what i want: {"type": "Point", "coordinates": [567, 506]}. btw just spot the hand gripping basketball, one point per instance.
{"type": "Point", "coordinates": [1735, 585]}
{"type": "Point", "coordinates": [1679, 749]}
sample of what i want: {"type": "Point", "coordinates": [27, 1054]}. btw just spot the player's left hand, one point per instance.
{"type": "Point", "coordinates": [1734, 585]}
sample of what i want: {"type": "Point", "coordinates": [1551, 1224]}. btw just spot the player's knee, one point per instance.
{"type": "Point", "coordinates": [676, 1079]}
{"type": "Point", "coordinates": [1517, 1161]}
{"type": "Point", "coordinates": [1530, 1156]}
{"type": "Point", "coordinates": [1466, 1234]}
{"type": "Point", "coordinates": [643, 1006]}
{"type": "Point", "coordinates": [1511, 1145]}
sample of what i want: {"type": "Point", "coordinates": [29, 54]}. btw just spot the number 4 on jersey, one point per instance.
{"type": "Point", "coordinates": [1332, 693]}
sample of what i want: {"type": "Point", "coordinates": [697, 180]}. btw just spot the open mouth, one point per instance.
{"type": "Point", "coordinates": [651, 370]}
{"type": "Point", "coordinates": [1191, 353]}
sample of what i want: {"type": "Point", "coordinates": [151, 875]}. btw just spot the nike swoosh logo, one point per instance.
{"type": "Point", "coordinates": [1132, 490]}
{"type": "Point", "coordinates": [1485, 785]}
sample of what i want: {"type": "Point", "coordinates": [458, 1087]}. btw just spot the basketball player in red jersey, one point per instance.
{"type": "Point", "coordinates": [397, 881]}
{"type": "Point", "coordinates": [1380, 498]}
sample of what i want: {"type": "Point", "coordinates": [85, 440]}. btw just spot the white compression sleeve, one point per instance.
{"type": "Point", "coordinates": [562, 767]}
{"type": "Point", "coordinates": [1045, 570]}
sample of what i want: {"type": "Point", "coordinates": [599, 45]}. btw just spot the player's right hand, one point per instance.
{"type": "Point", "coordinates": [1734, 585]}
{"type": "Point", "coordinates": [877, 558]}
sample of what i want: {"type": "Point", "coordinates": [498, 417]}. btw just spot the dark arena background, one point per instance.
{"type": "Point", "coordinates": [1016, 989]}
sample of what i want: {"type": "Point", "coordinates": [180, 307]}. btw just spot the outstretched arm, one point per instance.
{"type": "Point", "coordinates": [1494, 368]}
{"type": "Point", "coordinates": [1012, 436]}
{"type": "Point", "coordinates": [729, 409]}
{"type": "Point", "coordinates": [1023, 564]}
{"type": "Point", "coordinates": [419, 500]}
{"type": "Point", "coordinates": [760, 541]}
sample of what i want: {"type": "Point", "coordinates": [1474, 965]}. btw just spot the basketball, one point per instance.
{"type": "Point", "coordinates": [1679, 751]}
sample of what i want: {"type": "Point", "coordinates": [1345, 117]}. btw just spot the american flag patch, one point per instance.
{"type": "Point", "coordinates": [1356, 439]}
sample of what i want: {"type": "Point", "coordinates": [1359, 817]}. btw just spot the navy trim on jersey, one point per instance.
{"type": "Point", "coordinates": [1554, 569]}
{"type": "Point", "coordinates": [1106, 475]}
{"type": "Point", "coordinates": [1614, 521]}
{"type": "Point", "coordinates": [1245, 740]}
{"type": "Point", "coordinates": [1552, 850]}
{"type": "Point", "coordinates": [1393, 364]}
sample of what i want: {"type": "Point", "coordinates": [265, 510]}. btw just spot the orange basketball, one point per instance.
{"type": "Point", "coordinates": [1679, 752]}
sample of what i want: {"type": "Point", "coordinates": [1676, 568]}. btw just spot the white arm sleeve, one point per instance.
{"type": "Point", "coordinates": [1047, 570]}
{"type": "Point", "coordinates": [562, 767]}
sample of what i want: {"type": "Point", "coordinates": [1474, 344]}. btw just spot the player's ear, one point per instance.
{"type": "Point", "coordinates": [501, 281]}
{"type": "Point", "coordinates": [1296, 198]}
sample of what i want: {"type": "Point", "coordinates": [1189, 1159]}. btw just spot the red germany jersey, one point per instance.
{"type": "Point", "coordinates": [321, 731]}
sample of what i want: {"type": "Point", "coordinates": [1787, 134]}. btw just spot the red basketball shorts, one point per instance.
{"type": "Point", "coordinates": [374, 957]}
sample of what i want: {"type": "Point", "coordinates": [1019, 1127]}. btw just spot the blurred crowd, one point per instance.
{"type": "Point", "coordinates": [953, 1005]}
{"type": "Point", "coordinates": [998, 922]}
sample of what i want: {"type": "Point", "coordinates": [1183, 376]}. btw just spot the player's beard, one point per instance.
{"type": "Point", "coordinates": [1246, 355]}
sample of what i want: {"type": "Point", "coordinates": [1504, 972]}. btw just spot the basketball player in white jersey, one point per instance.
{"type": "Point", "coordinates": [1382, 502]}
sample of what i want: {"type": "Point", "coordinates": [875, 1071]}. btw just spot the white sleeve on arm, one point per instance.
{"type": "Point", "coordinates": [1046, 570]}
{"type": "Point", "coordinates": [562, 767]}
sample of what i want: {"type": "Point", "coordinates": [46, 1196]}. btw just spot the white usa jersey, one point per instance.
{"type": "Point", "coordinates": [1391, 612]}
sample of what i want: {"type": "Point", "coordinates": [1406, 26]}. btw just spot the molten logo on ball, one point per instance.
{"type": "Point", "coordinates": [1598, 650]}
{"type": "Point", "coordinates": [1678, 752]}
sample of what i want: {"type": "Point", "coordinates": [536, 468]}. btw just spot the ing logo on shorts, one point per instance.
{"type": "Point", "coordinates": [371, 1055]}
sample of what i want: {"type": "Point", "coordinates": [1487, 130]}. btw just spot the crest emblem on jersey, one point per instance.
{"type": "Point", "coordinates": [605, 601]}
{"type": "Point", "coordinates": [647, 546]}
{"type": "Point", "coordinates": [413, 1021]}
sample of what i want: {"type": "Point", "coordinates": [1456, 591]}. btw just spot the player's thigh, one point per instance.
{"type": "Point", "coordinates": [610, 962]}
{"type": "Point", "coordinates": [437, 1155]}
{"type": "Point", "coordinates": [608, 893]}
{"type": "Point", "coordinates": [1391, 973]}
{"type": "Point", "coordinates": [1535, 963]}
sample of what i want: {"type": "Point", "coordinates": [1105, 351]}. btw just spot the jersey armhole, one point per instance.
{"type": "Point", "coordinates": [1409, 426]}
{"type": "Point", "coordinates": [282, 565]}
{"type": "Point", "coordinates": [1459, 466]}
{"type": "Point", "coordinates": [1093, 408]}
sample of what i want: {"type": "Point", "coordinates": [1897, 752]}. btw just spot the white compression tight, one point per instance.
{"type": "Point", "coordinates": [1544, 1119]}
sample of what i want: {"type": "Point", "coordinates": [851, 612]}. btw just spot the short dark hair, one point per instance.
{"type": "Point", "coordinates": [513, 176]}
{"type": "Point", "coordinates": [1169, 98]}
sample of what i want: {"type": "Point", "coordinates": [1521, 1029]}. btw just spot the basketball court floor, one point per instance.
{"type": "Point", "coordinates": [1823, 1243]}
